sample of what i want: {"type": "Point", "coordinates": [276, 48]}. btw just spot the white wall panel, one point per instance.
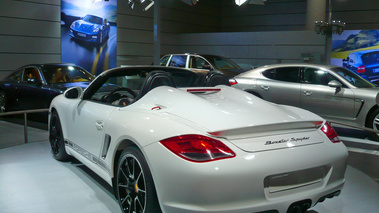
{"type": "Point", "coordinates": [30, 10]}
{"type": "Point", "coordinates": [32, 45]}
{"type": "Point", "coordinates": [25, 27]}
{"type": "Point", "coordinates": [11, 61]}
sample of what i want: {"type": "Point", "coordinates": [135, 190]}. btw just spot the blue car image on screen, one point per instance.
{"type": "Point", "coordinates": [90, 28]}
{"type": "Point", "coordinates": [365, 63]}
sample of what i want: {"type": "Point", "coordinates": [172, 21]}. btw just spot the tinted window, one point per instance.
{"type": "Point", "coordinates": [164, 60]}
{"type": "Point", "coordinates": [222, 63]}
{"type": "Point", "coordinates": [317, 76]}
{"type": "Point", "coordinates": [198, 63]}
{"type": "Point", "coordinates": [31, 73]}
{"type": "Point", "coordinates": [353, 78]}
{"type": "Point", "coordinates": [93, 19]}
{"type": "Point", "coordinates": [288, 74]}
{"type": "Point", "coordinates": [65, 74]}
{"type": "Point", "coordinates": [16, 76]}
{"type": "Point", "coordinates": [370, 58]}
{"type": "Point", "coordinates": [178, 61]}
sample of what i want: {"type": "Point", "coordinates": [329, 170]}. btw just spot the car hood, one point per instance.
{"type": "Point", "coordinates": [86, 26]}
{"type": "Point", "coordinates": [225, 111]}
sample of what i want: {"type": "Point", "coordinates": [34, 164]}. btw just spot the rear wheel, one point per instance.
{"type": "Point", "coordinates": [3, 101]}
{"type": "Point", "coordinates": [135, 190]}
{"type": "Point", "coordinates": [56, 138]}
{"type": "Point", "coordinates": [373, 122]}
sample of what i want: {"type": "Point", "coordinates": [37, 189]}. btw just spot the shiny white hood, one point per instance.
{"type": "Point", "coordinates": [226, 109]}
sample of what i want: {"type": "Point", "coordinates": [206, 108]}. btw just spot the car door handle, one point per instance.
{"type": "Point", "coordinates": [307, 93]}
{"type": "Point", "coordinates": [99, 125]}
{"type": "Point", "coordinates": [265, 88]}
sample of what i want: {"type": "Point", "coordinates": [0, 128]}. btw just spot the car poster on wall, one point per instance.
{"type": "Point", "coordinates": [358, 51]}
{"type": "Point", "coordinates": [89, 34]}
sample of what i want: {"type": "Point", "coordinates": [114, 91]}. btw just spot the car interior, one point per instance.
{"type": "Point", "coordinates": [122, 90]}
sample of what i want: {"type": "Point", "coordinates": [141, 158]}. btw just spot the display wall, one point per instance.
{"type": "Point", "coordinates": [31, 33]}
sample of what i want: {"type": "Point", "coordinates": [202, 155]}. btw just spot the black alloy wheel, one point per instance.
{"type": "Point", "coordinates": [135, 189]}
{"type": "Point", "coordinates": [56, 138]}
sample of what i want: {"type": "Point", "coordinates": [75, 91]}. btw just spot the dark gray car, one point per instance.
{"type": "Point", "coordinates": [332, 92]}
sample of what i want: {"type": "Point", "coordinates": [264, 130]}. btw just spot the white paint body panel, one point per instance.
{"type": "Point", "coordinates": [244, 123]}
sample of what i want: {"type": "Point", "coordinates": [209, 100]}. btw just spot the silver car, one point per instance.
{"type": "Point", "coordinates": [332, 92]}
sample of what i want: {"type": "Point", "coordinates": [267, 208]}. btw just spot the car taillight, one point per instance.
{"type": "Point", "coordinates": [232, 81]}
{"type": "Point", "coordinates": [198, 148]}
{"type": "Point", "coordinates": [330, 132]}
{"type": "Point", "coordinates": [361, 69]}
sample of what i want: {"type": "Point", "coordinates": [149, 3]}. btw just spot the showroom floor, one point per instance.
{"type": "Point", "coordinates": [32, 181]}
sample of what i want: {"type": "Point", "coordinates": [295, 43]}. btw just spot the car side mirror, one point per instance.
{"type": "Point", "coordinates": [73, 93]}
{"type": "Point", "coordinates": [335, 84]}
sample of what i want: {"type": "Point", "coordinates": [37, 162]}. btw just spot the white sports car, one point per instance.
{"type": "Point", "coordinates": [167, 146]}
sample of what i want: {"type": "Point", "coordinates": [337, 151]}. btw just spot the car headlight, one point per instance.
{"type": "Point", "coordinates": [95, 30]}
{"type": "Point", "coordinates": [74, 24]}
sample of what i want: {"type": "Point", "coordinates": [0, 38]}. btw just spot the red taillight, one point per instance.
{"type": "Point", "coordinates": [361, 69]}
{"type": "Point", "coordinates": [198, 148]}
{"type": "Point", "coordinates": [330, 132]}
{"type": "Point", "coordinates": [232, 81]}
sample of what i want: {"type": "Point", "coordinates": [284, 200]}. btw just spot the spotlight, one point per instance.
{"type": "Point", "coordinates": [240, 2]}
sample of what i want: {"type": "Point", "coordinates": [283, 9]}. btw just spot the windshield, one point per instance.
{"type": "Point", "coordinates": [65, 74]}
{"type": "Point", "coordinates": [353, 78]}
{"type": "Point", "coordinates": [93, 19]}
{"type": "Point", "coordinates": [222, 63]}
{"type": "Point", "coordinates": [370, 58]}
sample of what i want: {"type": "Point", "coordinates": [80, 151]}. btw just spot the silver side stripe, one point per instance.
{"type": "Point", "coordinates": [88, 155]}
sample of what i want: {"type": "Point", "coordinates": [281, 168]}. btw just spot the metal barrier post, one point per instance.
{"type": "Point", "coordinates": [26, 127]}
{"type": "Point", "coordinates": [25, 112]}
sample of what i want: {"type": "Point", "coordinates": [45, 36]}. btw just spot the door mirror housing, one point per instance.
{"type": "Point", "coordinates": [73, 93]}
{"type": "Point", "coordinates": [335, 84]}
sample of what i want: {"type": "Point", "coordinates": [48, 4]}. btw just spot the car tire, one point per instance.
{"type": "Point", "coordinates": [373, 122]}
{"type": "Point", "coordinates": [56, 138]}
{"type": "Point", "coordinates": [135, 189]}
{"type": "Point", "coordinates": [3, 101]}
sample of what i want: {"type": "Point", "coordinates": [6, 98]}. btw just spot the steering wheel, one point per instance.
{"type": "Point", "coordinates": [109, 98]}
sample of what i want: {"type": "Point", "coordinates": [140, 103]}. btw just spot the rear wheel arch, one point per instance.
{"type": "Point", "coordinates": [128, 146]}
{"type": "Point", "coordinates": [370, 120]}
{"type": "Point", "coordinates": [369, 114]}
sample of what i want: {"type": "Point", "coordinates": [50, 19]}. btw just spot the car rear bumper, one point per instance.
{"type": "Point", "coordinates": [250, 182]}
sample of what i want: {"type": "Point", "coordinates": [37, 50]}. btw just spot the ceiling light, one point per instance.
{"type": "Point", "coordinates": [240, 2]}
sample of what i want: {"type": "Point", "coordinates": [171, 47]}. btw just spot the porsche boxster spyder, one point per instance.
{"type": "Point", "coordinates": [167, 145]}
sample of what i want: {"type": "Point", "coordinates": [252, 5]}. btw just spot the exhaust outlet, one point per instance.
{"type": "Point", "coordinates": [300, 206]}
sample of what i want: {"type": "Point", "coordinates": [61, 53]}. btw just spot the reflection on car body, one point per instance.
{"type": "Point", "coordinates": [159, 138]}
{"type": "Point", "coordinates": [34, 86]}
{"type": "Point", "coordinates": [332, 92]}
